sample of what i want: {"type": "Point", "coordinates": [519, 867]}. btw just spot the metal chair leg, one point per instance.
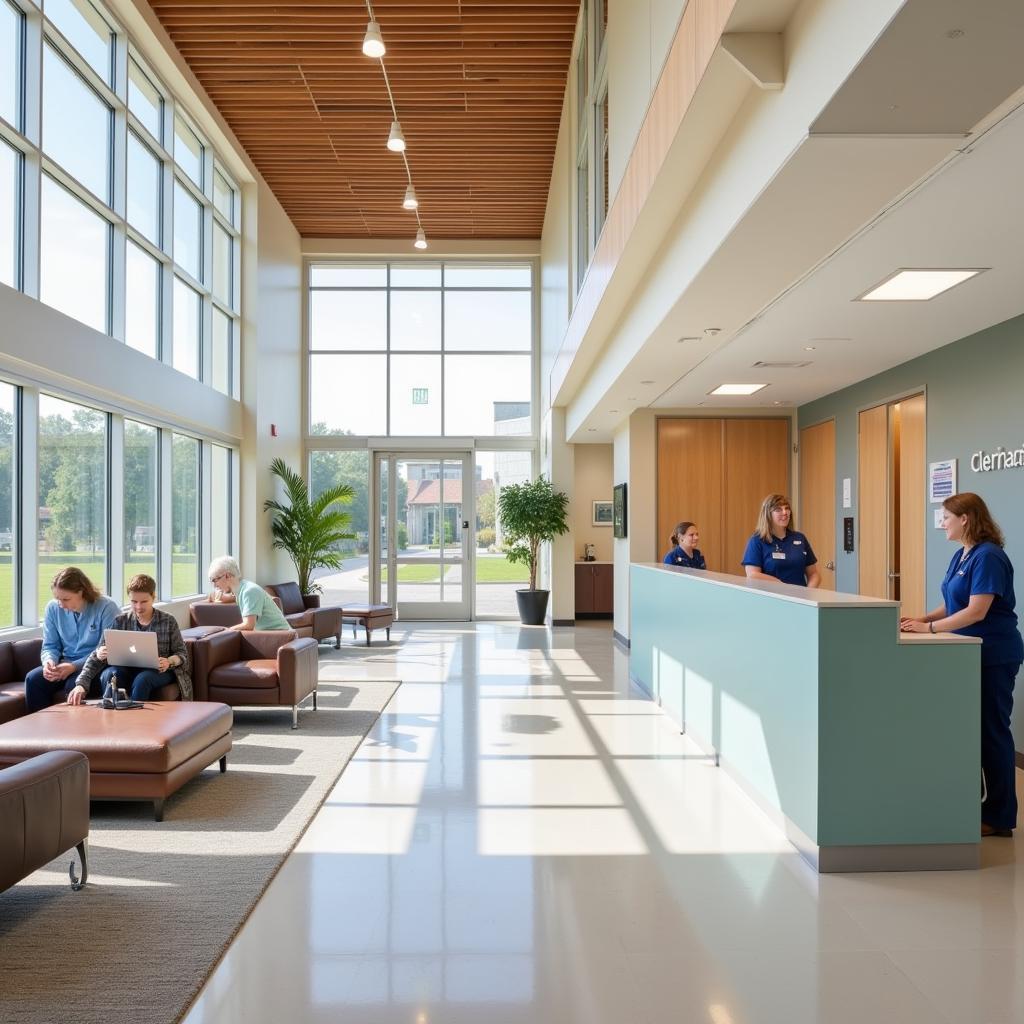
{"type": "Point", "coordinates": [77, 884]}
{"type": "Point", "coordinates": [158, 810]}
{"type": "Point", "coordinates": [295, 716]}
{"type": "Point", "coordinates": [315, 705]}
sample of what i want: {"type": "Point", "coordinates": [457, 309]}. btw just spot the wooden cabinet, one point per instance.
{"type": "Point", "coordinates": [595, 590]}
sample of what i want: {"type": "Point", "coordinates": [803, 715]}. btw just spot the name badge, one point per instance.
{"type": "Point", "coordinates": [779, 556]}
{"type": "Point", "coordinates": [798, 542]}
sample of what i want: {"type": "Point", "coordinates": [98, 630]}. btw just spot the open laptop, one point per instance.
{"type": "Point", "coordinates": [131, 649]}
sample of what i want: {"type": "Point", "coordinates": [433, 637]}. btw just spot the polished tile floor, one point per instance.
{"type": "Point", "coordinates": [524, 839]}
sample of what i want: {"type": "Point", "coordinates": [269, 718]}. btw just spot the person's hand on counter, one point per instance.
{"type": "Point", "coordinates": [914, 626]}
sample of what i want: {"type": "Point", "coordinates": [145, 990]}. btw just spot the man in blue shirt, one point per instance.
{"type": "Point", "coordinates": [73, 626]}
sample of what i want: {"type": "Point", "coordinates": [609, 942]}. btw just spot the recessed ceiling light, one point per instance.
{"type": "Point", "coordinates": [917, 285]}
{"type": "Point", "coordinates": [737, 389]}
{"type": "Point", "coordinates": [631, 399]}
{"type": "Point", "coordinates": [712, 331]}
{"type": "Point", "coordinates": [613, 410]}
{"type": "Point", "coordinates": [810, 348]}
{"type": "Point", "coordinates": [591, 430]}
{"type": "Point", "coordinates": [680, 341]}
{"type": "Point", "coordinates": [647, 382]}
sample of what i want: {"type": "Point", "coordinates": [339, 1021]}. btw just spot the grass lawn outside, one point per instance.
{"type": "Point", "coordinates": [429, 573]}
{"type": "Point", "coordinates": [185, 577]}
{"type": "Point", "coordinates": [498, 569]}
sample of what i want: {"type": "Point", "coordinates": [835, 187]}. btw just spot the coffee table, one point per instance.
{"type": "Point", "coordinates": [143, 754]}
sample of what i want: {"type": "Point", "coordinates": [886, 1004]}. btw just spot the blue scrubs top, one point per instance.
{"type": "Point", "coordinates": [986, 570]}
{"type": "Point", "coordinates": [677, 556]}
{"type": "Point", "coordinates": [787, 559]}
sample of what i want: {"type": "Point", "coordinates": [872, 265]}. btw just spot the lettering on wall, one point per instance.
{"type": "Point", "coordinates": [1001, 458]}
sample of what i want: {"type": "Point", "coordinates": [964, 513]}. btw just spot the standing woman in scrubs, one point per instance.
{"type": "Point", "coordinates": [778, 552]}
{"type": "Point", "coordinates": [978, 600]}
{"type": "Point", "coordinates": [685, 552]}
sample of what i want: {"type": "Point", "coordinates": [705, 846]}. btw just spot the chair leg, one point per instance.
{"type": "Point", "coordinates": [387, 633]}
{"type": "Point", "coordinates": [337, 639]}
{"type": "Point", "coordinates": [158, 810]}
{"type": "Point", "coordinates": [315, 705]}
{"type": "Point", "coordinates": [295, 716]}
{"type": "Point", "coordinates": [224, 764]}
{"type": "Point", "coordinates": [367, 636]}
{"type": "Point", "coordinates": [354, 624]}
{"type": "Point", "coordinates": [77, 884]}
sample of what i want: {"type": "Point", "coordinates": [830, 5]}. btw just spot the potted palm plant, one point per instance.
{"type": "Point", "coordinates": [309, 530]}
{"type": "Point", "coordinates": [530, 514]}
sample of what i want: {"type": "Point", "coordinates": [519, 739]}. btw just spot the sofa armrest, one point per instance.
{"type": "Point", "coordinates": [326, 622]}
{"type": "Point", "coordinates": [214, 613]}
{"type": "Point", "coordinates": [209, 652]}
{"type": "Point", "coordinates": [44, 810]}
{"type": "Point", "coordinates": [297, 669]}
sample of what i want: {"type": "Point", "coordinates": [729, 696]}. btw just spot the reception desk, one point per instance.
{"type": "Point", "coordinates": [861, 742]}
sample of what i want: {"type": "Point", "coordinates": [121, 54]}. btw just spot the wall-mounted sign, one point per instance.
{"type": "Point", "coordinates": [941, 480]}
{"type": "Point", "coordinates": [847, 492]}
{"type": "Point", "coordinates": [847, 533]}
{"type": "Point", "coordinates": [985, 462]}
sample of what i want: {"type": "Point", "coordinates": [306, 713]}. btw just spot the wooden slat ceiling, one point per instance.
{"type": "Point", "coordinates": [478, 85]}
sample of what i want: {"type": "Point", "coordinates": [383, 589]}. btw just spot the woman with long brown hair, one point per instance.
{"type": "Point", "coordinates": [777, 551]}
{"type": "Point", "coordinates": [978, 600]}
{"type": "Point", "coordinates": [73, 626]}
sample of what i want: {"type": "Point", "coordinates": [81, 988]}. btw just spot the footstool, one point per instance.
{"type": "Point", "coordinates": [370, 617]}
{"type": "Point", "coordinates": [143, 754]}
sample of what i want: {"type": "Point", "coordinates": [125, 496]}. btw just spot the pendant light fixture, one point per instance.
{"type": "Point", "coordinates": [373, 41]}
{"type": "Point", "coordinates": [410, 202]}
{"type": "Point", "coordinates": [421, 239]}
{"type": "Point", "coordinates": [396, 140]}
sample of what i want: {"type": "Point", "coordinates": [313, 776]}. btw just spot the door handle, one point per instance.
{"type": "Point", "coordinates": [830, 565]}
{"type": "Point", "coordinates": [893, 575]}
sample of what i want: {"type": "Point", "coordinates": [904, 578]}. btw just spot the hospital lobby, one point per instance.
{"type": "Point", "coordinates": [379, 270]}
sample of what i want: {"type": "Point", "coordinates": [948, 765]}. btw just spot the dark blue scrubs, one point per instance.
{"type": "Point", "coordinates": [987, 570]}
{"type": "Point", "coordinates": [677, 556]}
{"type": "Point", "coordinates": [787, 559]}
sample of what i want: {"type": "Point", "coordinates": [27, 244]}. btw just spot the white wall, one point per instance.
{"type": "Point", "coordinates": [271, 380]}
{"type": "Point", "coordinates": [592, 467]}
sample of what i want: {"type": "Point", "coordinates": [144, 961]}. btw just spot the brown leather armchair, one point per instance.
{"type": "Point", "coordinates": [305, 610]}
{"type": "Point", "coordinates": [44, 810]}
{"type": "Point", "coordinates": [213, 613]}
{"type": "Point", "coordinates": [16, 661]}
{"type": "Point", "coordinates": [257, 668]}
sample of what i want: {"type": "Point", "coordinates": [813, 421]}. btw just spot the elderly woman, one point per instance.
{"type": "Point", "coordinates": [255, 605]}
{"type": "Point", "coordinates": [72, 629]}
{"type": "Point", "coordinates": [172, 662]}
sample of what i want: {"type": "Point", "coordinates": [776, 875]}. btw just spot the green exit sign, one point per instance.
{"type": "Point", "coordinates": [421, 396]}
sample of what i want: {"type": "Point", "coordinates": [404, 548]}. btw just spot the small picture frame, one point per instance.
{"type": "Point", "coordinates": [619, 510]}
{"type": "Point", "coordinates": [602, 514]}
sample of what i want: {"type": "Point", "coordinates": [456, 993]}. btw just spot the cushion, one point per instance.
{"type": "Point", "coordinates": [291, 597]}
{"type": "Point", "coordinates": [259, 674]}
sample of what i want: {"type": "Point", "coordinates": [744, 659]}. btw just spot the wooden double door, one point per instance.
{"type": "Point", "coordinates": [716, 473]}
{"type": "Point", "coordinates": [892, 502]}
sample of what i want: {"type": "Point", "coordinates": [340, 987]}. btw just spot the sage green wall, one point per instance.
{"type": "Point", "coordinates": [973, 389]}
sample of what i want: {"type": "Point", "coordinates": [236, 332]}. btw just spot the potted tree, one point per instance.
{"type": "Point", "coordinates": [309, 530]}
{"type": "Point", "coordinates": [530, 514]}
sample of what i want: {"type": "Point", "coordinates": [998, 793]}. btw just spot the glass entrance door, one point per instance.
{"type": "Point", "coordinates": [421, 562]}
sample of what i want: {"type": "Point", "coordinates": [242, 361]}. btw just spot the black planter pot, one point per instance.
{"type": "Point", "coordinates": [533, 606]}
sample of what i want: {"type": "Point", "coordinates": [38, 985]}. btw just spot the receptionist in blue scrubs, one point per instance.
{"type": "Point", "coordinates": [778, 552]}
{"type": "Point", "coordinates": [978, 600]}
{"type": "Point", "coordinates": [685, 552]}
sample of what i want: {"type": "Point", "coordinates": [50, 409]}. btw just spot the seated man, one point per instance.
{"type": "Point", "coordinates": [172, 665]}
{"type": "Point", "coordinates": [255, 605]}
{"type": "Point", "coordinates": [72, 627]}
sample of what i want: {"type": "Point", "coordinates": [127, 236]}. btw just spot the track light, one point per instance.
{"type": "Point", "coordinates": [396, 140]}
{"type": "Point", "coordinates": [421, 240]}
{"type": "Point", "coordinates": [373, 42]}
{"type": "Point", "coordinates": [410, 202]}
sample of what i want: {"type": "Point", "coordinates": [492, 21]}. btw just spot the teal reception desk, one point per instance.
{"type": "Point", "coordinates": [864, 744]}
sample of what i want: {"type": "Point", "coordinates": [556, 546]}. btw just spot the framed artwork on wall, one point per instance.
{"type": "Point", "coordinates": [619, 510]}
{"type": "Point", "coordinates": [602, 514]}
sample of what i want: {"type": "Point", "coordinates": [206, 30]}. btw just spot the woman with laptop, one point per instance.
{"type": "Point", "coordinates": [141, 666]}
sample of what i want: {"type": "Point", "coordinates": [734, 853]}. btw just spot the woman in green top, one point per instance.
{"type": "Point", "coordinates": [255, 605]}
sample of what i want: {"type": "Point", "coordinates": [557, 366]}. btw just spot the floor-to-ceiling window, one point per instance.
{"type": "Point", "coordinates": [141, 499]}
{"type": "Point", "coordinates": [184, 515]}
{"type": "Point", "coordinates": [8, 504]}
{"type": "Point", "coordinates": [432, 353]}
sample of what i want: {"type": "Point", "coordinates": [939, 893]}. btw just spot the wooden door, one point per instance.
{"type": "Point", "coordinates": [817, 516]}
{"type": "Point", "coordinates": [912, 484]}
{"type": "Point", "coordinates": [604, 589]}
{"type": "Point", "coordinates": [756, 465]}
{"type": "Point", "coordinates": [690, 483]}
{"type": "Point", "coordinates": [584, 588]}
{"type": "Point", "coordinates": [873, 501]}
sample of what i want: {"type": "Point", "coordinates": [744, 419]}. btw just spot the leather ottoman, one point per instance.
{"type": "Point", "coordinates": [370, 617]}
{"type": "Point", "coordinates": [142, 754]}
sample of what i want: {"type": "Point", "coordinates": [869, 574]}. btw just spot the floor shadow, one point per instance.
{"type": "Point", "coordinates": [531, 725]}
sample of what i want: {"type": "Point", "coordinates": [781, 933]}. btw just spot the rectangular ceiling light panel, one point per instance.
{"type": "Point", "coordinates": [737, 389]}
{"type": "Point", "coordinates": [917, 285]}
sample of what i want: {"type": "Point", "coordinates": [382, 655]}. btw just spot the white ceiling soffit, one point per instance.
{"type": "Point", "coordinates": [940, 67]}
{"type": "Point", "coordinates": [970, 214]}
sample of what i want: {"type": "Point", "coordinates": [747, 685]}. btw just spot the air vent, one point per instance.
{"type": "Point", "coordinates": [761, 365]}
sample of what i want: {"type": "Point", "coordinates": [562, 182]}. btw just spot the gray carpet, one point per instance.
{"type": "Point", "coordinates": [164, 899]}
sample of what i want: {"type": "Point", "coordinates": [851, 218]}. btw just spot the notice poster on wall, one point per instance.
{"type": "Point", "coordinates": [941, 480]}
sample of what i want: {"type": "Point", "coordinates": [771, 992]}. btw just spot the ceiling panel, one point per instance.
{"type": "Point", "coordinates": [478, 86]}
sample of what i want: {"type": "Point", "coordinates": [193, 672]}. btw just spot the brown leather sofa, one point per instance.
{"type": "Point", "coordinates": [305, 610]}
{"type": "Point", "coordinates": [44, 810]}
{"type": "Point", "coordinates": [256, 668]}
{"type": "Point", "coordinates": [212, 613]}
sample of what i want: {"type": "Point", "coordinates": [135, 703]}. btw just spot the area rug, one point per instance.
{"type": "Point", "coordinates": [164, 899]}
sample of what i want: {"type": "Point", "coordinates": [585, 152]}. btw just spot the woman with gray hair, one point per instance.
{"type": "Point", "coordinates": [255, 605]}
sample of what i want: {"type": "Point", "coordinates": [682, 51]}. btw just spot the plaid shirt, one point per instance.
{"type": "Point", "coordinates": [168, 642]}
